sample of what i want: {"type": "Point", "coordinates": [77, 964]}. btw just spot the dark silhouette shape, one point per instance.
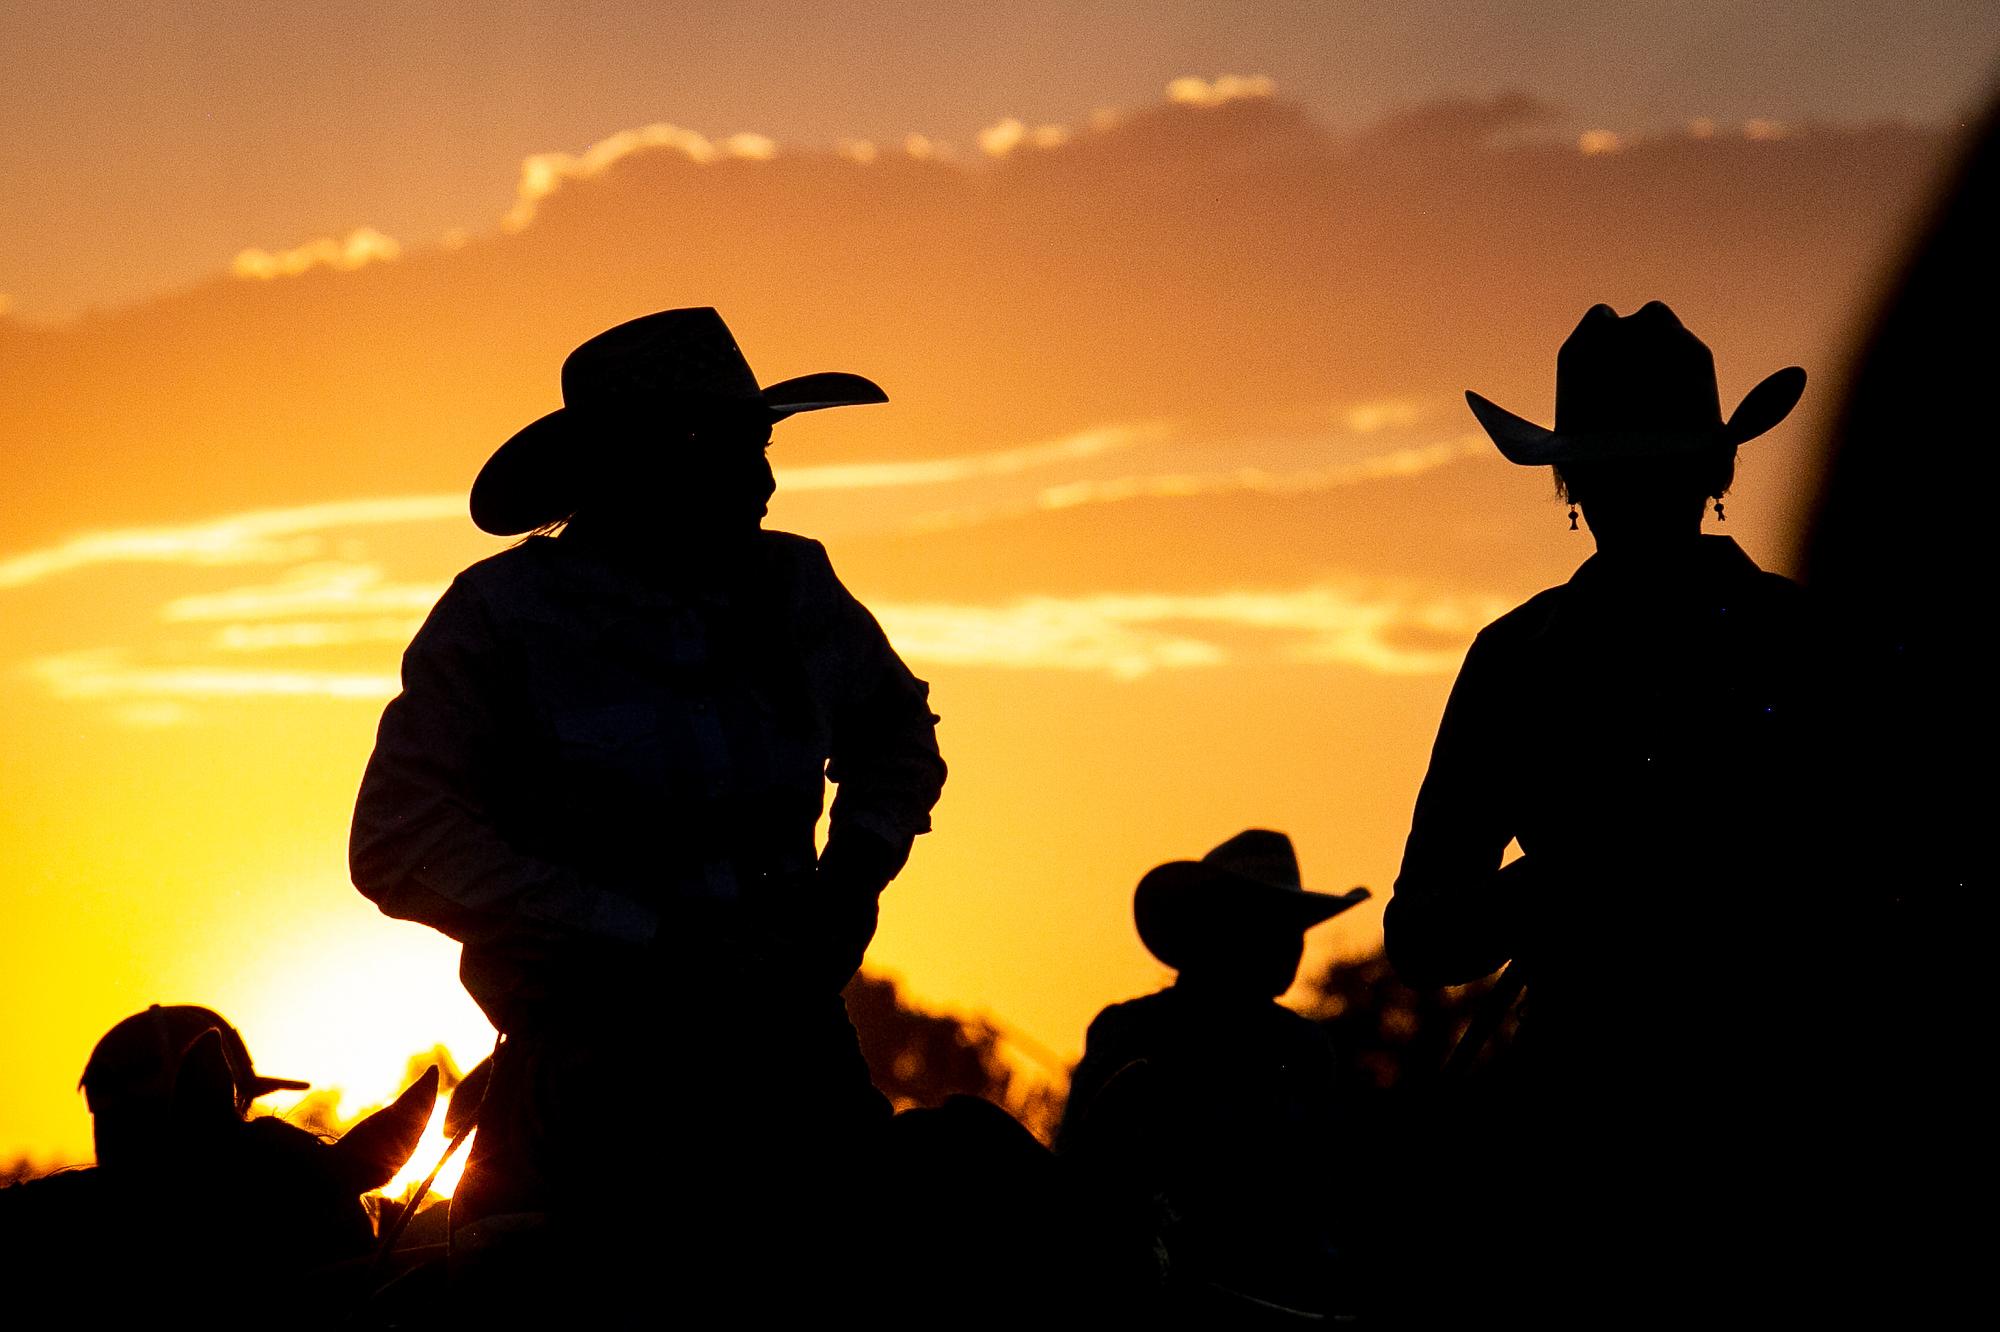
{"type": "Point", "coordinates": [1391, 1038]}
{"type": "Point", "coordinates": [985, 1227]}
{"type": "Point", "coordinates": [603, 776]}
{"type": "Point", "coordinates": [1391, 1041]}
{"type": "Point", "coordinates": [1899, 549]}
{"type": "Point", "coordinates": [467, 1097]}
{"type": "Point", "coordinates": [1655, 736]}
{"type": "Point", "coordinates": [129, 1081]}
{"type": "Point", "coordinates": [1204, 1105]}
{"type": "Point", "coordinates": [272, 1208]}
{"type": "Point", "coordinates": [920, 1059]}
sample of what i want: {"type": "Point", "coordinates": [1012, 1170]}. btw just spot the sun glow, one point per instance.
{"type": "Point", "coordinates": [345, 1006]}
{"type": "Point", "coordinates": [426, 1156]}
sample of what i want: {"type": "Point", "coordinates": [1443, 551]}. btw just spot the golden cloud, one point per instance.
{"type": "Point", "coordinates": [1190, 90]}
{"type": "Point", "coordinates": [310, 589]}
{"type": "Point", "coordinates": [544, 173]}
{"type": "Point", "coordinates": [362, 246]}
{"type": "Point", "coordinates": [284, 536]}
{"type": "Point", "coordinates": [260, 536]}
{"type": "Point", "coordinates": [1599, 142]}
{"type": "Point", "coordinates": [105, 673]}
{"type": "Point", "coordinates": [1386, 628]}
{"type": "Point", "coordinates": [294, 636]}
{"type": "Point", "coordinates": [1043, 634]}
{"type": "Point", "coordinates": [1084, 444]}
{"type": "Point", "coordinates": [1400, 462]}
{"type": "Point", "coordinates": [1368, 418]}
{"type": "Point", "coordinates": [1001, 139]}
{"type": "Point", "coordinates": [320, 605]}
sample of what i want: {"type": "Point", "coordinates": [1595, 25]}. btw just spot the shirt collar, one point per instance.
{"type": "Point", "coordinates": [644, 577]}
{"type": "Point", "coordinates": [1706, 561]}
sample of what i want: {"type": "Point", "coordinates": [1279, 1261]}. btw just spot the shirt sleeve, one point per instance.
{"type": "Point", "coordinates": [883, 751]}
{"type": "Point", "coordinates": [1108, 1049]}
{"type": "Point", "coordinates": [425, 844]}
{"type": "Point", "coordinates": [1446, 922]}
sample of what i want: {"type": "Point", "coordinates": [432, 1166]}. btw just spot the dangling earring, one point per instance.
{"type": "Point", "coordinates": [1718, 510]}
{"type": "Point", "coordinates": [1572, 517]}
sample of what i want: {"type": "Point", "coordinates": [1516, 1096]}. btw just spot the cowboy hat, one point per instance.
{"type": "Point", "coordinates": [137, 1060]}
{"type": "Point", "coordinates": [1253, 875]}
{"type": "Point", "coordinates": [1636, 386]}
{"type": "Point", "coordinates": [643, 373]}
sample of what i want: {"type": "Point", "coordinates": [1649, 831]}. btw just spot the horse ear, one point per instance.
{"type": "Point", "coordinates": [204, 1089]}
{"type": "Point", "coordinates": [373, 1151]}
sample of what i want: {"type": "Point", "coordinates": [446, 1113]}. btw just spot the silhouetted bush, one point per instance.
{"type": "Point", "coordinates": [919, 1058]}
{"type": "Point", "coordinates": [1389, 1039]}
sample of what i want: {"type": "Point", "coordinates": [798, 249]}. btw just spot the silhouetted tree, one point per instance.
{"type": "Point", "coordinates": [918, 1058]}
{"type": "Point", "coordinates": [1388, 1038]}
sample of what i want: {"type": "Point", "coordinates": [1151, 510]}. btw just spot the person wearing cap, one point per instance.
{"type": "Point", "coordinates": [1209, 1098]}
{"type": "Point", "coordinates": [187, 1181]}
{"type": "Point", "coordinates": [129, 1080]}
{"type": "Point", "coordinates": [603, 776]}
{"type": "Point", "coordinates": [1653, 737]}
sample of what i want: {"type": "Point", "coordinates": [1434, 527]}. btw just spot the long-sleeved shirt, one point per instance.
{"type": "Point", "coordinates": [1220, 1103]}
{"type": "Point", "coordinates": [1654, 738]}
{"type": "Point", "coordinates": [588, 754]}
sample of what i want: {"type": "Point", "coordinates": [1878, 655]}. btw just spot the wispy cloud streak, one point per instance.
{"type": "Point", "coordinates": [1411, 461]}
{"type": "Point", "coordinates": [1388, 629]}
{"type": "Point", "coordinates": [283, 536]}
{"type": "Point", "coordinates": [544, 173]}
{"type": "Point", "coordinates": [362, 246]}
{"type": "Point", "coordinates": [1079, 447]}
{"type": "Point", "coordinates": [301, 636]}
{"type": "Point", "coordinates": [108, 674]}
{"type": "Point", "coordinates": [312, 589]}
{"type": "Point", "coordinates": [261, 536]}
{"type": "Point", "coordinates": [1400, 462]}
{"type": "Point", "coordinates": [1192, 90]}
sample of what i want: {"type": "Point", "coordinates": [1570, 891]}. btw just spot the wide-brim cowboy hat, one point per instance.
{"type": "Point", "coordinates": [1252, 877]}
{"type": "Point", "coordinates": [1639, 386]}
{"type": "Point", "coordinates": [661, 368]}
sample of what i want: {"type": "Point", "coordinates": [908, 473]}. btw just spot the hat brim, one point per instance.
{"type": "Point", "coordinates": [261, 1085]}
{"type": "Point", "coordinates": [533, 478]}
{"type": "Point", "coordinates": [1523, 442]}
{"type": "Point", "coordinates": [1174, 902]}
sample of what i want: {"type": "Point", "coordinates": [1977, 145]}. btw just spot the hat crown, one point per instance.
{"type": "Point", "coordinates": [140, 1056]}
{"type": "Point", "coordinates": [673, 355]}
{"type": "Point", "coordinates": [140, 1053]}
{"type": "Point", "coordinates": [1259, 853]}
{"type": "Point", "coordinates": [1640, 372]}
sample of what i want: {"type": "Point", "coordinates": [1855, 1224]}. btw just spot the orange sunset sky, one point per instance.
{"type": "Point", "coordinates": [1176, 501]}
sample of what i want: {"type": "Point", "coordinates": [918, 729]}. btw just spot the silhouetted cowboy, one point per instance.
{"type": "Point", "coordinates": [1650, 734]}
{"type": "Point", "coordinates": [1210, 1096]}
{"type": "Point", "coordinates": [603, 776]}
